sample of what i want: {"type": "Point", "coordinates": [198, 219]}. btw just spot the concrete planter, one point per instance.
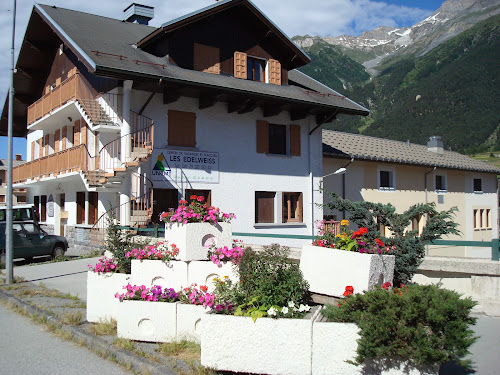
{"type": "Point", "coordinates": [147, 321]}
{"type": "Point", "coordinates": [101, 290]}
{"type": "Point", "coordinates": [189, 321]}
{"type": "Point", "coordinates": [329, 271]}
{"type": "Point", "coordinates": [266, 346]}
{"type": "Point", "coordinates": [191, 238]}
{"type": "Point", "coordinates": [204, 272]}
{"type": "Point", "coordinates": [157, 272]}
{"type": "Point", "coordinates": [335, 343]}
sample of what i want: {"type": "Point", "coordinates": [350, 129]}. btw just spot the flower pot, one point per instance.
{"type": "Point", "coordinates": [157, 272]}
{"type": "Point", "coordinates": [191, 238]}
{"type": "Point", "coordinates": [266, 346]}
{"type": "Point", "coordinates": [189, 320]}
{"type": "Point", "coordinates": [204, 272]}
{"type": "Point", "coordinates": [329, 271]}
{"type": "Point", "coordinates": [147, 321]}
{"type": "Point", "coordinates": [101, 289]}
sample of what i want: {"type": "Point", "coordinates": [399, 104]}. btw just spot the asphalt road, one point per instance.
{"type": "Point", "coordinates": [27, 349]}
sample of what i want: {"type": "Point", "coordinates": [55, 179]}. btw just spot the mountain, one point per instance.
{"type": "Point", "coordinates": [443, 81]}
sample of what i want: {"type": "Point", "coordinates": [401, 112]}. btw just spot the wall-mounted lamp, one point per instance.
{"type": "Point", "coordinates": [340, 171]}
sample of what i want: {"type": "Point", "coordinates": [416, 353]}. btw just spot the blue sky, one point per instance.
{"type": "Point", "coordinates": [300, 17]}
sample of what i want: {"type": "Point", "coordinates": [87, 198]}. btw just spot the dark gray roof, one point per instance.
{"type": "Point", "coordinates": [15, 163]}
{"type": "Point", "coordinates": [107, 44]}
{"type": "Point", "coordinates": [370, 148]}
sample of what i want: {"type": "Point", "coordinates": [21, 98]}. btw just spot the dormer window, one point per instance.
{"type": "Point", "coordinates": [256, 69]}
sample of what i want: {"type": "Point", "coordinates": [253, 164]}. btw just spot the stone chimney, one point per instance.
{"type": "Point", "coordinates": [19, 157]}
{"type": "Point", "coordinates": [139, 13]}
{"type": "Point", "coordinates": [435, 144]}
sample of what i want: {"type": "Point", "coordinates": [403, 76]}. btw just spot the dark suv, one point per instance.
{"type": "Point", "coordinates": [31, 241]}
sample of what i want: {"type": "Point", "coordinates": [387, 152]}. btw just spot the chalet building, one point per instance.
{"type": "Point", "coordinates": [18, 195]}
{"type": "Point", "coordinates": [122, 116]}
{"type": "Point", "coordinates": [403, 174]}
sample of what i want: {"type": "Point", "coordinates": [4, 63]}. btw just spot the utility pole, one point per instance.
{"type": "Point", "coordinates": [9, 249]}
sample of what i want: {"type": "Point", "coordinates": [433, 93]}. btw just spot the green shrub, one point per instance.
{"type": "Point", "coordinates": [422, 324]}
{"type": "Point", "coordinates": [272, 276]}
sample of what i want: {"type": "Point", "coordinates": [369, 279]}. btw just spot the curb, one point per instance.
{"type": "Point", "coordinates": [124, 357]}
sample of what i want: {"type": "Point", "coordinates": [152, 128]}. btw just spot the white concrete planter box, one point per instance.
{"type": "Point", "coordinates": [101, 290]}
{"type": "Point", "coordinates": [266, 346]}
{"type": "Point", "coordinates": [191, 238]}
{"type": "Point", "coordinates": [157, 272]}
{"type": "Point", "coordinates": [147, 321]}
{"type": "Point", "coordinates": [329, 271]}
{"type": "Point", "coordinates": [203, 272]}
{"type": "Point", "coordinates": [189, 320]}
{"type": "Point", "coordinates": [335, 343]}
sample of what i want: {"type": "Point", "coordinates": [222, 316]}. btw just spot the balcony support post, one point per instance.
{"type": "Point", "coordinates": [126, 126]}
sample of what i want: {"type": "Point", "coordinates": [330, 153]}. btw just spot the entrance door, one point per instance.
{"type": "Point", "coordinates": [163, 199]}
{"type": "Point", "coordinates": [62, 220]}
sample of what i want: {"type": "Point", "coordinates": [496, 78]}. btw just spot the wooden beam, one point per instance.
{"type": "Point", "coordinates": [249, 107]}
{"type": "Point", "coordinates": [171, 96]}
{"type": "Point", "coordinates": [272, 110]}
{"type": "Point", "coordinates": [32, 45]}
{"type": "Point", "coordinates": [206, 101]}
{"type": "Point", "coordinates": [25, 99]}
{"type": "Point", "coordinates": [151, 96]}
{"type": "Point", "coordinates": [298, 115]}
{"type": "Point", "coordinates": [235, 106]}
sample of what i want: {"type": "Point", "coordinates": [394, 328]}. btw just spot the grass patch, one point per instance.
{"type": "Point", "coordinates": [185, 350]}
{"type": "Point", "coordinates": [123, 344]}
{"type": "Point", "coordinates": [196, 369]}
{"type": "Point", "coordinates": [103, 328]}
{"type": "Point", "coordinates": [73, 318]}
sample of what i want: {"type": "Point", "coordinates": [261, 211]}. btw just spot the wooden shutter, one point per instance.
{"type": "Point", "coordinates": [63, 136]}
{"type": "Point", "coordinates": [80, 207]}
{"type": "Point", "coordinates": [46, 145]}
{"type": "Point", "coordinates": [76, 133]}
{"type": "Point", "coordinates": [43, 208]}
{"type": "Point", "coordinates": [40, 147]}
{"type": "Point", "coordinates": [264, 206]}
{"type": "Point", "coordinates": [181, 128]}
{"type": "Point", "coordinates": [33, 150]}
{"type": "Point", "coordinates": [299, 208]}
{"type": "Point", "coordinates": [56, 140]}
{"type": "Point", "coordinates": [83, 132]}
{"type": "Point", "coordinates": [274, 72]}
{"type": "Point", "coordinates": [262, 137]}
{"type": "Point", "coordinates": [93, 202]}
{"type": "Point", "coordinates": [206, 59]}
{"type": "Point", "coordinates": [240, 65]}
{"type": "Point", "coordinates": [58, 81]}
{"type": "Point", "coordinates": [295, 140]}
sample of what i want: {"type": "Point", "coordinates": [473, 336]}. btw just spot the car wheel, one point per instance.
{"type": "Point", "coordinates": [58, 252]}
{"type": "Point", "coordinates": [28, 259]}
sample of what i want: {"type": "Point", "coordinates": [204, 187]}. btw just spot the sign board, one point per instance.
{"type": "Point", "coordinates": [50, 206]}
{"type": "Point", "coordinates": [184, 166]}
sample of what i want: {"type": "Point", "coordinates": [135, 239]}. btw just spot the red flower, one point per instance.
{"type": "Point", "coordinates": [378, 242]}
{"type": "Point", "coordinates": [386, 285]}
{"type": "Point", "coordinates": [182, 201]}
{"type": "Point", "coordinates": [193, 197]}
{"type": "Point", "coordinates": [200, 198]}
{"type": "Point", "coordinates": [204, 288]}
{"type": "Point", "coordinates": [349, 290]}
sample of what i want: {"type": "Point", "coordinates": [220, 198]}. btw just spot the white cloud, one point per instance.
{"type": "Point", "coordinates": [294, 17]}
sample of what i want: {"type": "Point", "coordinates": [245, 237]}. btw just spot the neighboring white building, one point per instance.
{"type": "Point", "coordinates": [134, 118]}
{"type": "Point", "coordinates": [404, 174]}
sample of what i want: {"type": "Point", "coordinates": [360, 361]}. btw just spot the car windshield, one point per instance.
{"type": "Point", "coordinates": [32, 228]}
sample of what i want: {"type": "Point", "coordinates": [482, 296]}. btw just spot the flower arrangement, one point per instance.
{"type": "Point", "coordinates": [104, 265]}
{"type": "Point", "coordinates": [154, 294]}
{"type": "Point", "coordinates": [349, 240]}
{"type": "Point", "coordinates": [160, 251]}
{"type": "Point", "coordinates": [197, 295]}
{"type": "Point", "coordinates": [195, 212]}
{"type": "Point", "coordinates": [225, 254]}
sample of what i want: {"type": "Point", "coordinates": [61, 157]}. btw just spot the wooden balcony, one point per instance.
{"type": "Point", "coordinates": [72, 88]}
{"type": "Point", "coordinates": [70, 160]}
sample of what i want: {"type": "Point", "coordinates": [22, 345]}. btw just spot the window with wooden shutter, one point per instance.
{"type": "Point", "coordinates": [295, 140]}
{"type": "Point", "coordinates": [64, 132]}
{"type": "Point", "coordinates": [274, 72]}
{"type": "Point", "coordinates": [56, 140]}
{"type": "Point", "coordinates": [292, 207]}
{"type": "Point", "coordinates": [76, 133]}
{"type": "Point", "coordinates": [43, 208]}
{"type": "Point", "coordinates": [80, 207]}
{"type": "Point", "coordinates": [46, 145]}
{"type": "Point", "coordinates": [264, 206]}
{"type": "Point", "coordinates": [181, 128]}
{"type": "Point", "coordinates": [262, 137]}
{"type": "Point", "coordinates": [240, 65]}
{"type": "Point", "coordinates": [206, 59]}
{"type": "Point", "coordinates": [33, 150]}
{"type": "Point", "coordinates": [93, 203]}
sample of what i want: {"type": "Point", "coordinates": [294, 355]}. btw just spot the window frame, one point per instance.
{"type": "Point", "coordinates": [299, 209]}
{"type": "Point", "coordinates": [284, 139]}
{"type": "Point", "coordinates": [392, 179]}
{"type": "Point", "coordinates": [480, 179]}
{"type": "Point", "coordinates": [444, 178]}
{"type": "Point", "coordinates": [481, 218]}
{"type": "Point", "coordinates": [251, 60]}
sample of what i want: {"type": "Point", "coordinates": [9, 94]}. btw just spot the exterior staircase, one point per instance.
{"type": "Point", "coordinates": [95, 112]}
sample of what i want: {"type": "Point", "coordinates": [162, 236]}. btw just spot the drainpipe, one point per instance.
{"type": "Point", "coordinates": [425, 184]}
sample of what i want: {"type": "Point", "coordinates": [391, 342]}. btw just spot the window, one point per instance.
{"type": "Point", "coordinates": [181, 128]}
{"type": "Point", "coordinates": [207, 194]}
{"type": "Point", "coordinates": [278, 139]}
{"type": "Point", "coordinates": [256, 69]}
{"type": "Point", "coordinates": [80, 207]}
{"type": "Point", "coordinates": [206, 59]}
{"type": "Point", "coordinates": [482, 218]}
{"type": "Point", "coordinates": [415, 223]}
{"type": "Point", "coordinates": [264, 206]}
{"type": "Point", "coordinates": [478, 185]}
{"type": "Point", "coordinates": [93, 203]}
{"type": "Point", "coordinates": [2, 198]}
{"type": "Point", "coordinates": [36, 203]}
{"type": "Point", "coordinates": [386, 179]}
{"type": "Point", "coordinates": [292, 207]}
{"type": "Point", "coordinates": [43, 208]}
{"type": "Point", "coordinates": [440, 183]}
{"type": "Point", "coordinates": [21, 198]}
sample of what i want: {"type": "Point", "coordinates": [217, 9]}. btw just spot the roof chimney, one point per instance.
{"type": "Point", "coordinates": [435, 144]}
{"type": "Point", "coordinates": [139, 13]}
{"type": "Point", "coordinates": [19, 157]}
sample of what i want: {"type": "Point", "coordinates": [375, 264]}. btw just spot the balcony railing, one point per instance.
{"type": "Point", "coordinates": [73, 159]}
